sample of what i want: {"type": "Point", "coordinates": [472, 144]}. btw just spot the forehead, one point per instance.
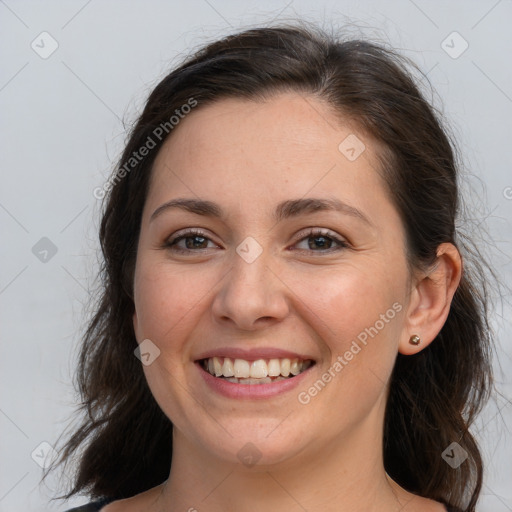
{"type": "Point", "coordinates": [288, 122]}
{"type": "Point", "coordinates": [250, 154]}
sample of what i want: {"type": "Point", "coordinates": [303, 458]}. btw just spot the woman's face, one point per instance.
{"type": "Point", "coordinates": [270, 284]}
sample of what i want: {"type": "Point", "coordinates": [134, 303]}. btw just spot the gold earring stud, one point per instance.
{"type": "Point", "coordinates": [414, 339]}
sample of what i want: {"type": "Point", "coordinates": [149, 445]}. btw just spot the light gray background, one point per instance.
{"type": "Point", "coordinates": [62, 131]}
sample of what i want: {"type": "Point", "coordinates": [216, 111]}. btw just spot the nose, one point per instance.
{"type": "Point", "coordinates": [251, 295]}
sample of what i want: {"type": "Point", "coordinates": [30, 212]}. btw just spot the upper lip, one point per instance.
{"type": "Point", "coordinates": [253, 354]}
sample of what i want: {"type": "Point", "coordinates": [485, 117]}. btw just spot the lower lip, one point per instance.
{"type": "Point", "coordinates": [251, 391]}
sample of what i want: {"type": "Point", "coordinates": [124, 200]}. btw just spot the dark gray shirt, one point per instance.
{"type": "Point", "coordinates": [96, 506]}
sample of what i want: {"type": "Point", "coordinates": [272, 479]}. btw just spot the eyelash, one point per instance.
{"type": "Point", "coordinates": [311, 233]}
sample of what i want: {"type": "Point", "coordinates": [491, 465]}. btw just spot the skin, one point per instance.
{"type": "Point", "coordinates": [326, 455]}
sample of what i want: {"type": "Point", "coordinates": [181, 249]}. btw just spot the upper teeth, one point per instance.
{"type": "Point", "coordinates": [259, 369]}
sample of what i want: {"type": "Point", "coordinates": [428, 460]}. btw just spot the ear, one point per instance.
{"type": "Point", "coordinates": [430, 299]}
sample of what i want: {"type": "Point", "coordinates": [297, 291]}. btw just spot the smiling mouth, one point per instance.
{"type": "Point", "coordinates": [260, 371]}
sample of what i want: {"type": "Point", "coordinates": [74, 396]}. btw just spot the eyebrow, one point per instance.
{"type": "Point", "coordinates": [284, 210]}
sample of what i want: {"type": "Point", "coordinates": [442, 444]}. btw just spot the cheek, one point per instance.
{"type": "Point", "coordinates": [359, 318]}
{"type": "Point", "coordinates": [165, 301]}
{"type": "Point", "coordinates": [348, 301]}
{"type": "Point", "coordinates": [358, 315]}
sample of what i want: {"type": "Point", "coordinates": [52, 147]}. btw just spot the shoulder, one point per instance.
{"type": "Point", "coordinates": [94, 506]}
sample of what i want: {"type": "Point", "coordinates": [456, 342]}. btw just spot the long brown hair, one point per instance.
{"type": "Point", "coordinates": [124, 443]}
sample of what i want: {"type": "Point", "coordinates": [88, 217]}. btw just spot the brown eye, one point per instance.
{"type": "Point", "coordinates": [189, 241]}
{"type": "Point", "coordinates": [323, 241]}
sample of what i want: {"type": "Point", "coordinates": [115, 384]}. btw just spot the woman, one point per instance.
{"type": "Point", "coordinates": [286, 321]}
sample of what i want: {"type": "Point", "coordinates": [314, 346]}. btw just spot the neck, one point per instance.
{"type": "Point", "coordinates": [343, 475]}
